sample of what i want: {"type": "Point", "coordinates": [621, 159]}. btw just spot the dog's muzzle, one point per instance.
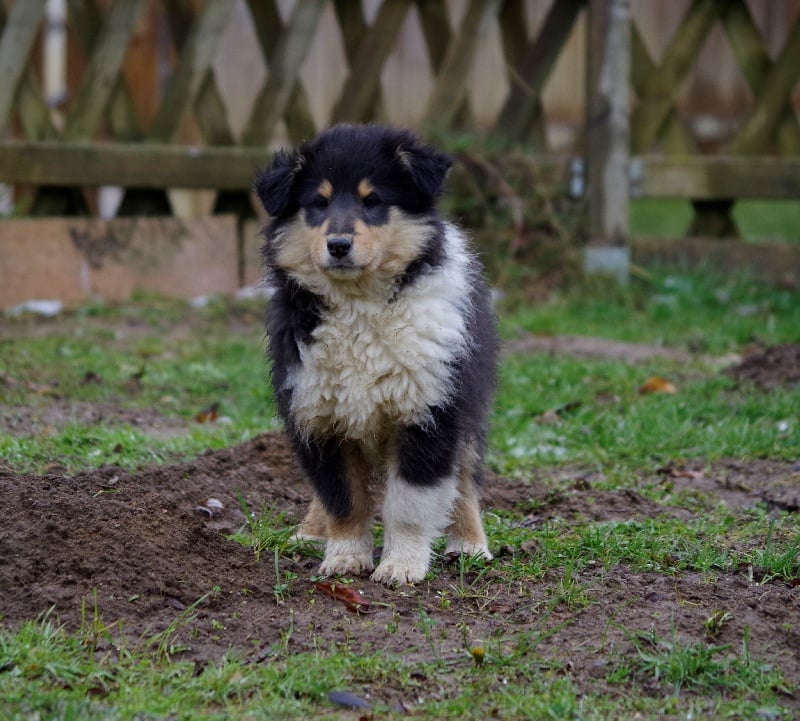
{"type": "Point", "coordinates": [339, 245]}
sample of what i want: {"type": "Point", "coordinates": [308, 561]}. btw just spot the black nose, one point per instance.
{"type": "Point", "coordinates": [339, 245]}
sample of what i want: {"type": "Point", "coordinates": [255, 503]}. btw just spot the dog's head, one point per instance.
{"type": "Point", "coordinates": [355, 201]}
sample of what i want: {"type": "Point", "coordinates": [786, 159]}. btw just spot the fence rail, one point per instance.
{"type": "Point", "coordinates": [107, 134]}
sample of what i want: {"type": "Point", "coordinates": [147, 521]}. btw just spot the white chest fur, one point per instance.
{"type": "Point", "coordinates": [373, 364]}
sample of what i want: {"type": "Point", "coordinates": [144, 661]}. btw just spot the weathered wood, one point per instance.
{"type": "Point", "coordinates": [135, 165]}
{"type": "Point", "coordinates": [367, 65]}
{"type": "Point", "coordinates": [269, 27]}
{"type": "Point", "coordinates": [772, 97]}
{"type": "Point", "coordinates": [657, 100]}
{"type": "Point", "coordinates": [514, 34]}
{"type": "Point", "coordinates": [209, 108]}
{"type": "Point", "coordinates": [284, 70]}
{"type": "Point", "coordinates": [607, 114]}
{"type": "Point", "coordinates": [450, 88]}
{"type": "Point", "coordinates": [101, 76]}
{"type": "Point", "coordinates": [717, 177]}
{"type": "Point", "coordinates": [18, 35]}
{"type": "Point", "coordinates": [354, 27]}
{"type": "Point", "coordinates": [438, 37]}
{"type": "Point", "coordinates": [527, 82]}
{"type": "Point", "coordinates": [755, 63]}
{"type": "Point", "coordinates": [197, 54]}
{"type": "Point", "coordinates": [674, 137]}
{"type": "Point", "coordinates": [86, 23]}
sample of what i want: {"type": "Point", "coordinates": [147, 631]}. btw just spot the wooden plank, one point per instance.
{"type": "Point", "coordinates": [269, 28]}
{"type": "Point", "coordinates": [438, 38]}
{"type": "Point", "coordinates": [365, 70]}
{"type": "Point", "coordinates": [772, 98]}
{"type": "Point", "coordinates": [530, 76]}
{"type": "Point", "coordinates": [354, 27]}
{"type": "Point", "coordinates": [134, 165]}
{"type": "Point", "coordinates": [102, 74]}
{"type": "Point", "coordinates": [755, 63]}
{"type": "Point", "coordinates": [285, 62]}
{"type": "Point", "coordinates": [607, 115]}
{"type": "Point", "coordinates": [658, 98]}
{"type": "Point", "coordinates": [15, 48]}
{"type": "Point", "coordinates": [716, 177]}
{"type": "Point", "coordinates": [451, 85]}
{"type": "Point", "coordinates": [674, 136]}
{"type": "Point", "coordinates": [196, 56]}
{"type": "Point", "coordinates": [86, 22]}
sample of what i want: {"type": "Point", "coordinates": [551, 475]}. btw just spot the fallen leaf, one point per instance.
{"type": "Point", "coordinates": [353, 599]}
{"type": "Point", "coordinates": [656, 384]}
{"type": "Point", "coordinates": [208, 415]}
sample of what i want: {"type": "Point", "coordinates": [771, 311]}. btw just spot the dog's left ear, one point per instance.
{"type": "Point", "coordinates": [427, 166]}
{"type": "Point", "coordinates": [274, 184]}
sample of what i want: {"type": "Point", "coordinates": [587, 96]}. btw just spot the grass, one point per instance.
{"type": "Point", "coordinates": [172, 361]}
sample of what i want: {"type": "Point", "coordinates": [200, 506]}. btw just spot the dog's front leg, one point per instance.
{"type": "Point", "coordinates": [413, 516]}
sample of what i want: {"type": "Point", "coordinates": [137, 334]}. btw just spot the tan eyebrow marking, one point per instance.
{"type": "Point", "coordinates": [325, 189]}
{"type": "Point", "coordinates": [365, 188]}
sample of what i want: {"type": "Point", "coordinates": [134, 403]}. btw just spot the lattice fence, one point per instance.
{"type": "Point", "coordinates": [102, 137]}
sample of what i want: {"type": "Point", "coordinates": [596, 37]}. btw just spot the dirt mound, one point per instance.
{"type": "Point", "coordinates": [135, 551]}
{"type": "Point", "coordinates": [774, 367]}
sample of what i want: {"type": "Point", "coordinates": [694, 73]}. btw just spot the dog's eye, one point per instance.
{"type": "Point", "coordinates": [320, 201]}
{"type": "Point", "coordinates": [372, 200]}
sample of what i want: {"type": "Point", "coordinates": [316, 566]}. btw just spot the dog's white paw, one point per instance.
{"type": "Point", "coordinates": [396, 572]}
{"type": "Point", "coordinates": [347, 557]}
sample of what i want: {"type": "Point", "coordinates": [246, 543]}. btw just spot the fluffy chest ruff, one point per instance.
{"type": "Point", "coordinates": [374, 363]}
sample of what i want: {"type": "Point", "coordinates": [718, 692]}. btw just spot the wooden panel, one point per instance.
{"type": "Point", "coordinates": [530, 76]}
{"type": "Point", "coordinates": [131, 165]}
{"type": "Point", "coordinates": [196, 57]}
{"type": "Point", "coordinates": [712, 177]}
{"type": "Point", "coordinates": [450, 88]}
{"type": "Point", "coordinates": [284, 70]}
{"type": "Point", "coordinates": [103, 72]}
{"type": "Point", "coordinates": [366, 67]}
{"type": "Point", "coordinates": [15, 47]}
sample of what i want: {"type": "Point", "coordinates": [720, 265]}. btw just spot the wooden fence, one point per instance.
{"type": "Point", "coordinates": [634, 144]}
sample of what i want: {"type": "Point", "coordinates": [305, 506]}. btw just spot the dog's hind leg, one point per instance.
{"type": "Point", "coordinates": [315, 524]}
{"type": "Point", "coordinates": [465, 533]}
{"type": "Point", "coordinates": [349, 545]}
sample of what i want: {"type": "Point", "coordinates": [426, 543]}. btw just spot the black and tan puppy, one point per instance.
{"type": "Point", "coordinates": [383, 347]}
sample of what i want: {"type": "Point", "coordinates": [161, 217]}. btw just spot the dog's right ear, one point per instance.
{"type": "Point", "coordinates": [274, 184]}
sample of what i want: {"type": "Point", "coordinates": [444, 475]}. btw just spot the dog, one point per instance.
{"type": "Point", "coordinates": [383, 347]}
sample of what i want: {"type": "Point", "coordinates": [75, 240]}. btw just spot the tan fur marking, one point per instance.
{"type": "Point", "coordinates": [466, 528]}
{"type": "Point", "coordinates": [315, 524]}
{"type": "Point", "coordinates": [365, 188]}
{"type": "Point", "coordinates": [326, 189]}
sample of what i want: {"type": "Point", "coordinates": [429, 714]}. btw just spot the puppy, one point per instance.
{"type": "Point", "coordinates": [383, 348]}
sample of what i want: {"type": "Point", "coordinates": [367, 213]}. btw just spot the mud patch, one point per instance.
{"type": "Point", "coordinates": [774, 367]}
{"type": "Point", "coordinates": [139, 549]}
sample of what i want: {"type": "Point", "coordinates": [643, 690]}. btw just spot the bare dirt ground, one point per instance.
{"type": "Point", "coordinates": [137, 549]}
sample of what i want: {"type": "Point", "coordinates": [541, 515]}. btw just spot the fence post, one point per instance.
{"type": "Point", "coordinates": [608, 136]}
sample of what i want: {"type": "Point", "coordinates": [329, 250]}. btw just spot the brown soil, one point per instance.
{"type": "Point", "coordinates": [138, 549]}
{"type": "Point", "coordinates": [774, 367]}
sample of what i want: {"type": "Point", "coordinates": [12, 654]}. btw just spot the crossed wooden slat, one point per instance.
{"type": "Point", "coordinates": [103, 95]}
{"type": "Point", "coordinates": [771, 83]}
